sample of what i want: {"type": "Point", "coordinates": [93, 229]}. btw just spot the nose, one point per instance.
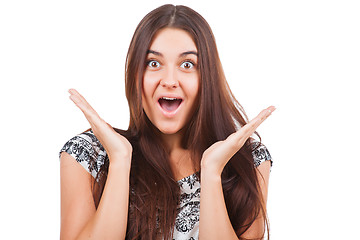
{"type": "Point", "coordinates": [169, 79]}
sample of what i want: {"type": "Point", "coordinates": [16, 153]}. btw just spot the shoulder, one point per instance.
{"type": "Point", "coordinates": [87, 150]}
{"type": "Point", "coordinates": [260, 153]}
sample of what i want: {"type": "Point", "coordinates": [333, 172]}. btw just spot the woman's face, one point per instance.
{"type": "Point", "coordinates": [171, 80]}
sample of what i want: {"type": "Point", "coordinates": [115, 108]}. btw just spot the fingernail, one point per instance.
{"type": "Point", "coordinates": [74, 98]}
{"type": "Point", "coordinates": [271, 109]}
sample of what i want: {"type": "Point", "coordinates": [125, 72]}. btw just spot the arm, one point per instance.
{"type": "Point", "coordinates": [257, 228]}
{"type": "Point", "coordinates": [79, 218]}
{"type": "Point", "coordinates": [214, 219]}
{"type": "Point", "coordinates": [109, 221]}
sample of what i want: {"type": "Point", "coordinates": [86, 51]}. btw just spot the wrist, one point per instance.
{"type": "Point", "coordinates": [120, 163]}
{"type": "Point", "coordinates": [210, 169]}
{"type": "Point", "coordinates": [210, 174]}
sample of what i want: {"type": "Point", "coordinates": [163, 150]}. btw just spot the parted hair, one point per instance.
{"type": "Point", "coordinates": [154, 193]}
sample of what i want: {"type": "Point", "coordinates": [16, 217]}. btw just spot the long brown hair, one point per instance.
{"type": "Point", "coordinates": [154, 191]}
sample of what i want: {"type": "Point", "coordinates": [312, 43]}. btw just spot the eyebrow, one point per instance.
{"type": "Point", "coordinates": [181, 54]}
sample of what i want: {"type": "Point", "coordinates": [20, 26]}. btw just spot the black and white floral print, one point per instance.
{"type": "Point", "coordinates": [187, 220]}
{"type": "Point", "coordinates": [190, 181]}
{"type": "Point", "coordinates": [260, 155]}
{"type": "Point", "coordinates": [88, 151]}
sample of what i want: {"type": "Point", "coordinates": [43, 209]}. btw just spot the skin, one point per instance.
{"type": "Point", "coordinates": [172, 71]}
{"type": "Point", "coordinates": [172, 75]}
{"type": "Point", "coordinates": [79, 218]}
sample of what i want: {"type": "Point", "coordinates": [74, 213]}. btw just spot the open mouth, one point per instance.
{"type": "Point", "coordinates": [170, 104]}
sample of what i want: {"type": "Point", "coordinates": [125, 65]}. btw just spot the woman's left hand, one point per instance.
{"type": "Point", "coordinates": [217, 155]}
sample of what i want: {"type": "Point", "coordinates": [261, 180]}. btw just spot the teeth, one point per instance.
{"type": "Point", "coordinates": [167, 98]}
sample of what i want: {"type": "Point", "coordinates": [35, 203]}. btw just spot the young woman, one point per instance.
{"type": "Point", "coordinates": [186, 129]}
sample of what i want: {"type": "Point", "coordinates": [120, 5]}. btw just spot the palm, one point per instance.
{"type": "Point", "coordinates": [115, 144]}
{"type": "Point", "coordinates": [218, 154]}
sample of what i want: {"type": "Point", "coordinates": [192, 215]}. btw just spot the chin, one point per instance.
{"type": "Point", "coordinates": [169, 130]}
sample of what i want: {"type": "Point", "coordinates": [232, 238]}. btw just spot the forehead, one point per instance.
{"type": "Point", "coordinates": [172, 40]}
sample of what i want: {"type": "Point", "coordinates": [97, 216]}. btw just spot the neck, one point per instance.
{"type": "Point", "coordinates": [172, 141]}
{"type": "Point", "coordinates": [180, 160]}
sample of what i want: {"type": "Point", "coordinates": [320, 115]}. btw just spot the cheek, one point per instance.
{"type": "Point", "coordinates": [150, 82]}
{"type": "Point", "coordinates": [192, 86]}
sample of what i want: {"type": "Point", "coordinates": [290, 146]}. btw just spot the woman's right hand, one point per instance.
{"type": "Point", "coordinates": [117, 146]}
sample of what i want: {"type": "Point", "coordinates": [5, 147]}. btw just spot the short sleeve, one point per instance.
{"type": "Point", "coordinates": [261, 154]}
{"type": "Point", "coordinates": [87, 150]}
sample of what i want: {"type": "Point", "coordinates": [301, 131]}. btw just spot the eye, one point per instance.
{"type": "Point", "coordinates": [187, 65]}
{"type": "Point", "coordinates": [153, 64]}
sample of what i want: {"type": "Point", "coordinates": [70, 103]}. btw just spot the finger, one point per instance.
{"type": "Point", "coordinates": [248, 129]}
{"type": "Point", "coordinates": [80, 101]}
{"type": "Point", "coordinates": [90, 114]}
{"type": "Point", "coordinates": [260, 118]}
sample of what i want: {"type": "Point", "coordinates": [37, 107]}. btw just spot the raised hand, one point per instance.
{"type": "Point", "coordinates": [217, 155]}
{"type": "Point", "coordinates": [117, 147]}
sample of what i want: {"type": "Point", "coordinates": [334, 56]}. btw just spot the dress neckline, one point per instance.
{"type": "Point", "coordinates": [187, 177]}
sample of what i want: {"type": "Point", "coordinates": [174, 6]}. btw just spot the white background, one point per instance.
{"type": "Point", "coordinates": [301, 56]}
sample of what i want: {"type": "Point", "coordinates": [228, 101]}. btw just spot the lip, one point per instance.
{"type": "Point", "coordinates": [169, 95]}
{"type": "Point", "coordinates": [173, 113]}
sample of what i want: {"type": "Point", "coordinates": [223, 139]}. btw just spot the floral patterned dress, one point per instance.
{"type": "Point", "coordinates": [88, 151]}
